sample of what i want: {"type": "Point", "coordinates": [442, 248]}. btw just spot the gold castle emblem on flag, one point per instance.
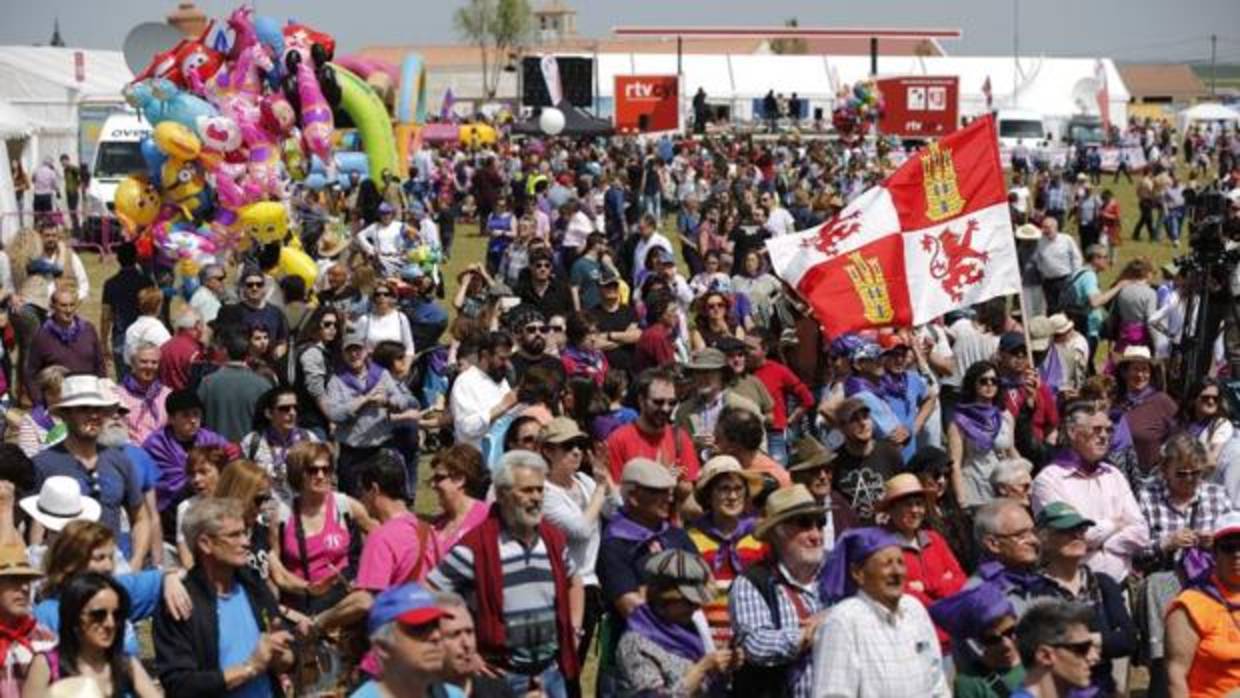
{"type": "Point", "coordinates": [871, 287]}
{"type": "Point", "coordinates": [943, 198]}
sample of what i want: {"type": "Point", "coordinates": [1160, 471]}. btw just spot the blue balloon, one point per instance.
{"type": "Point", "coordinates": [154, 158]}
{"type": "Point", "coordinates": [315, 181]}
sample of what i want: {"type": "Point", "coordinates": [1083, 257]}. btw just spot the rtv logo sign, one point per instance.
{"type": "Point", "coordinates": [649, 91]}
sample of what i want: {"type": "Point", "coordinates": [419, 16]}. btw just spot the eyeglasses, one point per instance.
{"type": "Point", "coordinates": [578, 444]}
{"type": "Point", "coordinates": [1206, 397]}
{"type": "Point", "coordinates": [261, 499]}
{"type": "Point", "coordinates": [254, 284]}
{"type": "Point", "coordinates": [1080, 649]}
{"type": "Point", "coordinates": [808, 521]}
{"type": "Point", "coordinates": [97, 616]}
{"type": "Point", "coordinates": [323, 470]}
{"type": "Point", "coordinates": [859, 416]}
{"type": "Point", "coordinates": [437, 478]}
{"type": "Point", "coordinates": [555, 328]}
{"type": "Point", "coordinates": [1022, 533]}
{"type": "Point", "coordinates": [992, 639]}
{"type": "Point", "coordinates": [285, 408]}
{"type": "Point", "coordinates": [327, 324]}
{"type": "Point", "coordinates": [536, 329]}
{"type": "Point", "coordinates": [542, 265]}
{"type": "Point", "coordinates": [1100, 430]}
{"type": "Point", "coordinates": [215, 278]}
{"type": "Point", "coordinates": [527, 439]}
{"type": "Point", "coordinates": [383, 294]}
{"type": "Point", "coordinates": [988, 380]}
{"type": "Point", "coordinates": [1188, 474]}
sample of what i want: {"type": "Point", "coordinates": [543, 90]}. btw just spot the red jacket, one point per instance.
{"type": "Point", "coordinates": [933, 572]}
{"type": "Point", "coordinates": [781, 383]}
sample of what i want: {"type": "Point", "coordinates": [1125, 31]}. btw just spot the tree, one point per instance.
{"type": "Point", "coordinates": [789, 46]}
{"type": "Point", "coordinates": [496, 27]}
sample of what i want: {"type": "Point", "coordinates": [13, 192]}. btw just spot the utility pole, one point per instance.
{"type": "Point", "coordinates": [1015, 53]}
{"type": "Point", "coordinates": [1213, 65]}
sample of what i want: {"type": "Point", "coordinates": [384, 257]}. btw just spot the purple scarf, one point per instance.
{"type": "Point", "coordinates": [1008, 579]}
{"type": "Point", "coordinates": [854, 384]}
{"type": "Point", "coordinates": [1070, 459]}
{"type": "Point", "coordinates": [979, 423]}
{"type": "Point", "coordinates": [675, 638]}
{"type": "Point", "coordinates": [66, 335]}
{"type": "Point", "coordinates": [170, 456]}
{"type": "Point", "coordinates": [42, 417]}
{"type": "Point", "coordinates": [374, 373]}
{"type": "Point", "coordinates": [1134, 400]}
{"type": "Point", "coordinates": [622, 527]}
{"type": "Point", "coordinates": [1051, 370]}
{"type": "Point", "coordinates": [727, 543]}
{"type": "Point", "coordinates": [894, 385]}
{"type": "Point", "coordinates": [149, 395]}
{"type": "Point", "coordinates": [279, 445]}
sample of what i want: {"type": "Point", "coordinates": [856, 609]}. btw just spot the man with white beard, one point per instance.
{"type": "Point", "coordinates": [115, 434]}
{"type": "Point", "coordinates": [778, 648]}
{"type": "Point", "coordinates": [525, 594]}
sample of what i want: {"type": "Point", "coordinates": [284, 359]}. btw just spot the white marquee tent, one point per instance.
{"type": "Point", "coordinates": [41, 83]}
{"type": "Point", "coordinates": [1210, 112]}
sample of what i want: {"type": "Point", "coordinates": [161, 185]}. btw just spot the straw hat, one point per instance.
{"type": "Point", "coordinates": [724, 465]}
{"type": "Point", "coordinates": [1060, 324]}
{"type": "Point", "coordinates": [86, 391]}
{"type": "Point", "coordinates": [1135, 352]}
{"type": "Point", "coordinates": [899, 487]}
{"type": "Point", "coordinates": [787, 503]}
{"type": "Point", "coordinates": [808, 453]}
{"type": "Point", "coordinates": [1040, 332]}
{"type": "Point", "coordinates": [331, 244]}
{"type": "Point", "coordinates": [15, 563]}
{"type": "Point", "coordinates": [1028, 232]}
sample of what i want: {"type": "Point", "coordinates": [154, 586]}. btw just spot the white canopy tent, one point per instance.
{"type": "Point", "coordinates": [1210, 112]}
{"type": "Point", "coordinates": [41, 83]}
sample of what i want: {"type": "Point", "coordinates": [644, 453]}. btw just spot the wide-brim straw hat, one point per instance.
{"type": "Point", "coordinates": [725, 465]}
{"type": "Point", "coordinates": [787, 503]}
{"type": "Point", "coordinates": [1134, 353]}
{"type": "Point", "coordinates": [899, 487]}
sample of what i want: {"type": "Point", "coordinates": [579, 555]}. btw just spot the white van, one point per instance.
{"type": "Point", "coordinates": [1018, 125]}
{"type": "Point", "coordinates": [117, 155]}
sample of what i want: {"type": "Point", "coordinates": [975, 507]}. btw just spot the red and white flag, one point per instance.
{"type": "Point", "coordinates": [1103, 95]}
{"type": "Point", "coordinates": [934, 236]}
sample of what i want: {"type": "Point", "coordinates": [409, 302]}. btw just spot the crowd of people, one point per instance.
{"type": "Point", "coordinates": [645, 455]}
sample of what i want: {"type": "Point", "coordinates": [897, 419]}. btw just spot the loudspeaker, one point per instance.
{"type": "Point", "coordinates": [576, 78]}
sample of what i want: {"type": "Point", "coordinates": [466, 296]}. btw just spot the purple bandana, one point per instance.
{"type": "Point", "coordinates": [894, 385]}
{"type": "Point", "coordinates": [853, 548]}
{"type": "Point", "coordinates": [374, 373]}
{"type": "Point", "coordinates": [677, 639]}
{"type": "Point", "coordinates": [1070, 459]}
{"type": "Point", "coordinates": [859, 384]}
{"type": "Point", "coordinates": [66, 335]}
{"type": "Point", "coordinates": [622, 527]}
{"type": "Point", "coordinates": [148, 395]}
{"type": "Point", "coordinates": [968, 613]}
{"type": "Point", "coordinates": [1051, 370]}
{"type": "Point", "coordinates": [280, 445]}
{"type": "Point", "coordinates": [979, 423]}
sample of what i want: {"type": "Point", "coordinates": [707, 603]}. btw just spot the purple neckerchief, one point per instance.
{"type": "Point", "coordinates": [854, 384]}
{"type": "Point", "coordinates": [1026, 582]}
{"type": "Point", "coordinates": [149, 395]}
{"type": "Point", "coordinates": [42, 417]}
{"type": "Point", "coordinates": [1070, 459]}
{"type": "Point", "coordinates": [66, 335]}
{"type": "Point", "coordinates": [280, 445]}
{"type": "Point", "coordinates": [1134, 400]}
{"type": "Point", "coordinates": [170, 456]}
{"type": "Point", "coordinates": [622, 527]}
{"type": "Point", "coordinates": [1051, 370]}
{"type": "Point", "coordinates": [979, 422]}
{"type": "Point", "coordinates": [1198, 427]}
{"type": "Point", "coordinates": [1122, 438]}
{"type": "Point", "coordinates": [894, 385]}
{"type": "Point", "coordinates": [680, 640]}
{"type": "Point", "coordinates": [727, 543]}
{"type": "Point", "coordinates": [374, 373]}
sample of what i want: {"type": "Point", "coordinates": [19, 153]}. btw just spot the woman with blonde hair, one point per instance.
{"type": "Point", "coordinates": [89, 546]}
{"type": "Point", "coordinates": [248, 483]}
{"type": "Point", "coordinates": [38, 429]}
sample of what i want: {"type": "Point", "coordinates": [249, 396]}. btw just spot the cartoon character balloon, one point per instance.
{"type": "Point", "coordinates": [137, 203]}
{"type": "Point", "coordinates": [264, 222]}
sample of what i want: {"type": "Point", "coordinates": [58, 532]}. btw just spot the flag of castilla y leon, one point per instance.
{"type": "Point", "coordinates": [934, 236]}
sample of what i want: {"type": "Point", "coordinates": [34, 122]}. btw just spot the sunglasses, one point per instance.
{"type": "Point", "coordinates": [542, 265]}
{"type": "Point", "coordinates": [988, 380]}
{"type": "Point", "coordinates": [1208, 398]}
{"type": "Point", "coordinates": [536, 329]}
{"type": "Point", "coordinates": [528, 439]}
{"type": "Point", "coordinates": [98, 616]}
{"type": "Point", "coordinates": [261, 499]}
{"type": "Point", "coordinates": [327, 324]}
{"type": "Point", "coordinates": [992, 639]}
{"type": "Point", "coordinates": [285, 409]}
{"type": "Point", "coordinates": [254, 284]}
{"type": "Point", "coordinates": [859, 416]}
{"type": "Point", "coordinates": [664, 403]}
{"type": "Point", "coordinates": [808, 521]}
{"type": "Point", "coordinates": [215, 278]}
{"type": "Point", "coordinates": [437, 478]}
{"type": "Point", "coordinates": [383, 294]}
{"type": "Point", "coordinates": [1080, 649]}
{"type": "Point", "coordinates": [1100, 430]}
{"type": "Point", "coordinates": [324, 470]}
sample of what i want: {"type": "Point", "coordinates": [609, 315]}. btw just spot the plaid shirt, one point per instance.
{"type": "Point", "coordinates": [765, 644]}
{"type": "Point", "coordinates": [1201, 514]}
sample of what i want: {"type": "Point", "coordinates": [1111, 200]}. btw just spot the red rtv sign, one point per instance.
{"type": "Point", "coordinates": [647, 103]}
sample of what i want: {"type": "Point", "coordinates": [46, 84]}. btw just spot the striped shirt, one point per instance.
{"type": "Point", "coordinates": [529, 597]}
{"type": "Point", "coordinates": [750, 550]}
{"type": "Point", "coordinates": [767, 643]}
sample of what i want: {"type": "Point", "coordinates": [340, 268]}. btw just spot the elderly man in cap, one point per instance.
{"type": "Point", "coordinates": [776, 606]}
{"type": "Point", "coordinates": [877, 640]}
{"type": "Point", "coordinates": [103, 473]}
{"type": "Point", "coordinates": [699, 413]}
{"type": "Point", "coordinates": [661, 651]}
{"type": "Point", "coordinates": [1080, 476]}
{"type": "Point", "coordinates": [982, 619]}
{"type": "Point", "coordinates": [255, 310]}
{"type": "Point", "coordinates": [864, 462]}
{"type": "Point", "coordinates": [383, 241]}
{"type": "Point", "coordinates": [22, 638]}
{"type": "Point", "coordinates": [524, 588]}
{"type": "Point", "coordinates": [405, 629]}
{"type": "Point", "coordinates": [813, 466]}
{"type": "Point", "coordinates": [235, 641]}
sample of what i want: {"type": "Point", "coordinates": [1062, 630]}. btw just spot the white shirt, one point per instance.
{"type": "Point", "coordinates": [79, 276]}
{"type": "Point", "coordinates": [386, 242]}
{"type": "Point", "coordinates": [780, 222]}
{"type": "Point", "coordinates": [561, 509]}
{"type": "Point", "coordinates": [473, 397]}
{"type": "Point", "coordinates": [206, 303]}
{"type": "Point", "coordinates": [864, 650]}
{"type": "Point", "coordinates": [1021, 203]}
{"type": "Point", "coordinates": [145, 329]}
{"type": "Point", "coordinates": [1057, 257]}
{"type": "Point", "coordinates": [393, 327]}
{"type": "Point", "coordinates": [428, 233]}
{"type": "Point", "coordinates": [579, 228]}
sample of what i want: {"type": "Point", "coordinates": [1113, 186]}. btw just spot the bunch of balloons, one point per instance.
{"type": "Point", "coordinates": [233, 126]}
{"type": "Point", "coordinates": [856, 108]}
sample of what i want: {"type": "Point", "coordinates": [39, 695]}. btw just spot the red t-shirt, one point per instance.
{"type": "Point", "coordinates": [781, 382]}
{"type": "Point", "coordinates": [175, 358]}
{"type": "Point", "coordinates": [629, 442]}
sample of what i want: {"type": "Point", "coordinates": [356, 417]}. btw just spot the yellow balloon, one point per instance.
{"type": "Point", "coordinates": [177, 141]}
{"type": "Point", "coordinates": [265, 221]}
{"type": "Point", "coordinates": [136, 202]}
{"type": "Point", "coordinates": [294, 262]}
